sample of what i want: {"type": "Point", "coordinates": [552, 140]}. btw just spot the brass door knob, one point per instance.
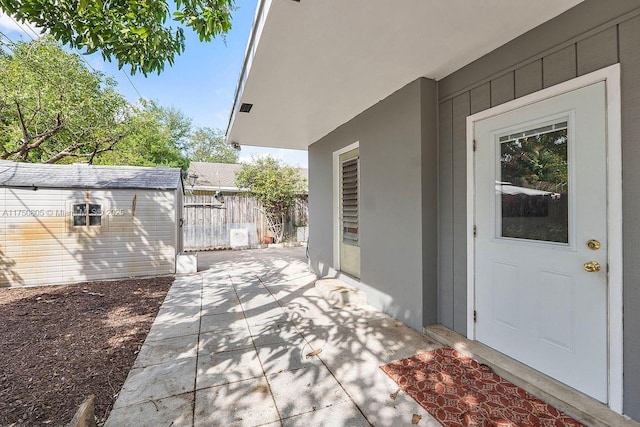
{"type": "Point", "coordinates": [591, 267]}
{"type": "Point", "coordinates": [593, 244]}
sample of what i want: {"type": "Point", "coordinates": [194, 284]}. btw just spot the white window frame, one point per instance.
{"type": "Point", "coordinates": [88, 228]}
{"type": "Point", "coordinates": [336, 201]}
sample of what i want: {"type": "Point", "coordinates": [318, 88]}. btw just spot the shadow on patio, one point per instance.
{"type": "Point", "coordinates": [249, 341]}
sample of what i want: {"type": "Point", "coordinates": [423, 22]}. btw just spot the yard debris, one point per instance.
{"type": "Point", "coordinates": [95, 294]}
{"type": "Point", "coordinates": [314, 353]}
{"type": "Point", "coordinates": [84, 416]}
{"type": "Point", "coordinates": [416, 419]}
{"type": "Point", "coordinates": [485, 366]}
{"type": "Point", "coordinates": [394, 395]}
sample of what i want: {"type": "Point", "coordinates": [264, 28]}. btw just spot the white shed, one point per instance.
{"type": "Point", "coordinates": [71, 223]}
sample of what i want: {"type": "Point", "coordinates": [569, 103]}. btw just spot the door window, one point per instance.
{"type": "Point", "coordinates": [532, 192]}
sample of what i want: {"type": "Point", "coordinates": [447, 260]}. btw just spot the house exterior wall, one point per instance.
{"type": "Point", "coordinates": [399, 208]}
{"type": "Point", "coordinates": [591, 36]}
{"type": "Point", "coordinates": [39, 245]}
{"type": "Point", "coordinates": [391, 135]}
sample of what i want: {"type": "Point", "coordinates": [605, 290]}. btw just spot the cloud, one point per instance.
{"type": "Point", "coordinates": [11, 25]}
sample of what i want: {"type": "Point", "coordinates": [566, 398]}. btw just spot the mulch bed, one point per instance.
{"type": "Point", "coordinates": [59, 344]}
{"type": "Point", "coordinates": [458, 392]}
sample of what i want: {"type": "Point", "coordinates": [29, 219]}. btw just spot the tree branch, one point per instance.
{"type": "Point", "coordinates": [41, 138]}
{"type": "Point", "coordinates": [71, 150]}
{"type": "Point", "coordinates": [36, 111]}
{"type": "Point", "coordinates": [25, 133]}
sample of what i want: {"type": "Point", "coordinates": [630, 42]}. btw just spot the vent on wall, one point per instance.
{"type": "Point", "coordinates": [245, 108]}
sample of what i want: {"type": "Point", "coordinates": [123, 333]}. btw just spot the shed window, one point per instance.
{"type": "Point", "coordinates": [87, 214]}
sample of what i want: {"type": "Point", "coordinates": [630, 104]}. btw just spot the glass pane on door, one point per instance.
{"type": "Point", "coordinates": [533, 189]}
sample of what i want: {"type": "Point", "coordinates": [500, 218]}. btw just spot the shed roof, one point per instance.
{"type": "Point", "coordinates": [78, 175]}
{"type": "Point", "coordinates": [222, 175]}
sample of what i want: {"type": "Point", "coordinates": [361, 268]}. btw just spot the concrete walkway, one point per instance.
{"type": "Point", "coordinates": [234, 345]}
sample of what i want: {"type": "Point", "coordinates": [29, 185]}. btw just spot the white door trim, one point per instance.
{"type": "Point", "coordinates": [611, 76]}
{"type": "Point", "coordinates": [336, 201]}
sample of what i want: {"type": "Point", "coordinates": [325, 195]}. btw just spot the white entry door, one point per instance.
{"type": "Point", "coordinates": [541, 236]}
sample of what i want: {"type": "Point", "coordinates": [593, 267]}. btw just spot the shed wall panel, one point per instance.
{"type": "Point", "coordinates": [40, 246]}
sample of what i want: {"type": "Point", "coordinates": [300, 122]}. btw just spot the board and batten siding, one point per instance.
{"type": "Point", "coordinates": [591, 36]}
{"type": "Point", "coordinates": [38, 245]}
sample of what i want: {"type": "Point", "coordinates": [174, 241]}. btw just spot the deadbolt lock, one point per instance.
{"type": "Point", "coordinates": [591, 267]}
{"type": "Point", "coordinates": [593, 244]}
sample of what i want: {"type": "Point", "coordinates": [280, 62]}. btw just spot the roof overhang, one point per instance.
{"type": "Point", "coordinates": [313, 65]}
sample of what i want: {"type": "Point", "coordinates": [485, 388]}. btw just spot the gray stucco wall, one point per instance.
{"type": "Point", "coordinates": [390, 135]}
{"type": "Point", "coordinates": [590, 36]}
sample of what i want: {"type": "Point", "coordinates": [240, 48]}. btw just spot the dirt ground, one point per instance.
{"type": "Point", "coordinates": [59, 344]}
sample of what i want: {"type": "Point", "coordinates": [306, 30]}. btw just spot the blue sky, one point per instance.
{"type": "Point", "coordinates": [201, 82]}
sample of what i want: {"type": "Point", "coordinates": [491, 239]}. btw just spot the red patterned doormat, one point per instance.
{"type": "Point", "coordinates": [458, 391]}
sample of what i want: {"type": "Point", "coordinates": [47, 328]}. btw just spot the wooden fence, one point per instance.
{"type": "Point", "coordinates": [208, 225]}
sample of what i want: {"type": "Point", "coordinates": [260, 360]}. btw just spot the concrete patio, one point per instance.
{"type": "Point", "coordinates": [249, 341]}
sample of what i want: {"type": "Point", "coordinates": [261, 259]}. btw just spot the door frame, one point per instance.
{"type": "Point", "coordinates": [611, 76]}
{"type": "Point", "coordinates": [336, 201]}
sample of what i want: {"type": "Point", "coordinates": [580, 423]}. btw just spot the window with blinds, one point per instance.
{"type": "Point", "coordinates": [350, 202]}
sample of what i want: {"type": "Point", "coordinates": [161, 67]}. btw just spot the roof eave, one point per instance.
{"type": "Point", "coordinates": [312, 66]}
{"type": "Point", "coordinates": [258, 24]}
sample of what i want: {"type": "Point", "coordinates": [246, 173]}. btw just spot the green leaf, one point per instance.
{"type": "Point", "coordinates": [115, 27]}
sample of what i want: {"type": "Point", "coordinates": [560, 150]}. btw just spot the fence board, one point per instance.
{"type": "Point", "coordinates": [206, 226]}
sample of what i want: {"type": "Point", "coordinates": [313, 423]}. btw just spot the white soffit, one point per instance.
{"type": "Point", "coordinates": [316, 64]}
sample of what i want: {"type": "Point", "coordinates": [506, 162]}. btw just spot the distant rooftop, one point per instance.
{"type": "Point", "coordinates": [78, 175]}
{"type": "Point", "coordinates": [222, 175]}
